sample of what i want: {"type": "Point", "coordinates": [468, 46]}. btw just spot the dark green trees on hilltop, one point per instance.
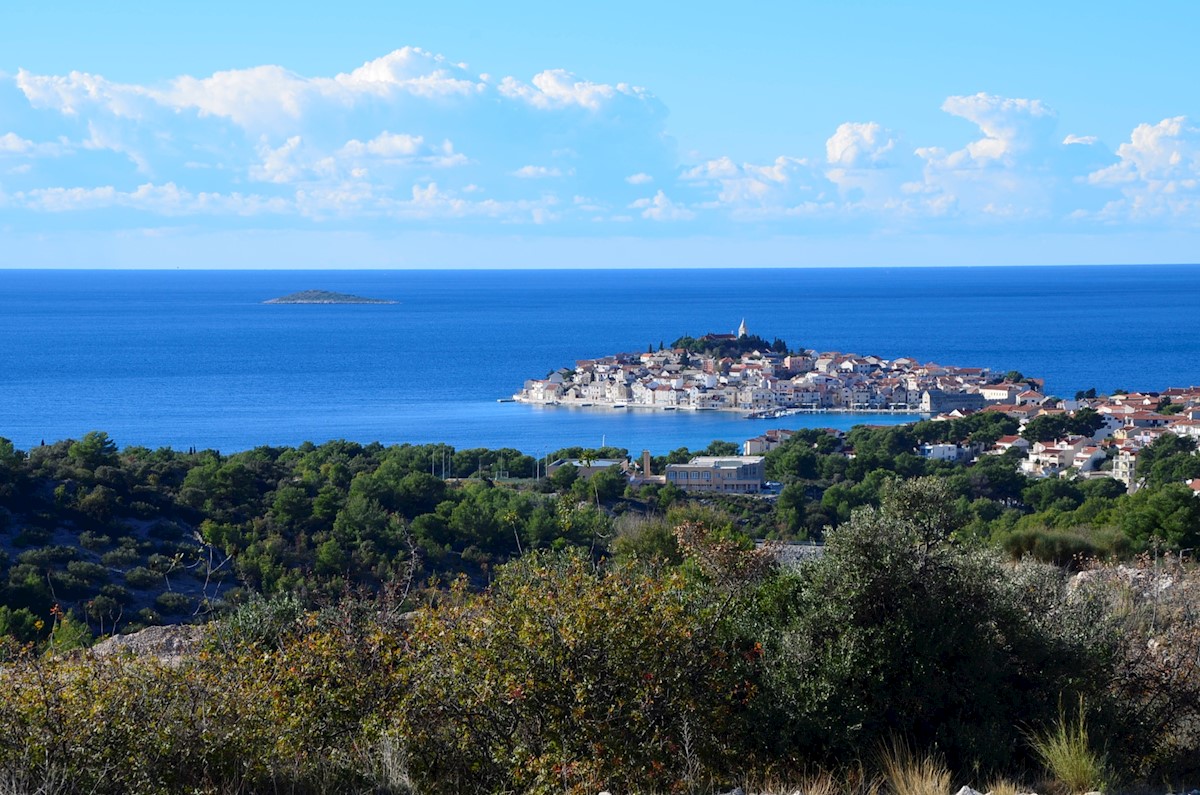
{"type": "Point", "coordinates": [732, 347]}
{"type": "Point", "coordinates": [136, 537]}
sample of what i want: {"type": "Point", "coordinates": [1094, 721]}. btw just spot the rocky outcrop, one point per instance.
{"type": "Point", "coordinates": [169, 644]}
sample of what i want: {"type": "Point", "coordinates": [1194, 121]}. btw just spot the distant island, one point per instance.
{"type": "Point", "coordinates": [325, 297]}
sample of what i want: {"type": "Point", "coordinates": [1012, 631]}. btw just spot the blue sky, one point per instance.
{"type": "Point", "coordinates": [601, 135]}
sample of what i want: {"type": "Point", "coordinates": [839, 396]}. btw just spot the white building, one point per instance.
{"type": "Point", "coordinates": [741, 474]}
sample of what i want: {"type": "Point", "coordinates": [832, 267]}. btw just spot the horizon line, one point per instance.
{"type": "Point", "coordinates": [484, 268]}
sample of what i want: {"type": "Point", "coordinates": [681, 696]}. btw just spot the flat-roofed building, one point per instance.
{"type": "Point", "coordinates": [731, 473]}
{"type": "Point", "coordinates": [937, 401]}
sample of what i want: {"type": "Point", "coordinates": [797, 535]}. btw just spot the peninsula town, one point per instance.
{"type": "Point", "coordinates": [744, 373]}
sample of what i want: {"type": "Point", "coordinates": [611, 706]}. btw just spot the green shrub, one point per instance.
{"type": "Point", "coordinates": [20, 624]}
{"type": "Point", "coordinates": [141, 545]}
{"type": "Point", "coordinates": [45, 557]}
{"type": "Point", "coordinates": [117, 592]}
{"type": "Point", "coordinates": [68, 586]}
{"type": "Point", "coordinates": [121, 556]}
{"type": "Point", "coordinates": [32, 537]}
{"type": "Point", "coordinates": [161, 563]}
{"type": "Point", "coordinates": [1066, 547]}
{"type": "Point", "coordinates": [142, 510]}
{"type": "Point", "coordinates": [260, 621]}
{"type": "Point", "coordinates": [172, 603]}
{"type": "Point", "coordinates": [148, 618]}
{"type": "Point", "coordinates": [896, 631]}
{"type": "Point", "coordinates": [92, 573]}
{"type": "Point", "coordinates": [140, 577]}
{"type": "Point", "coordinates": [94, 541]}
{"type": "Point", "coordinates": [68, 634]}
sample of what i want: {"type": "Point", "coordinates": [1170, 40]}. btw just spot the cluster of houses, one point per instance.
{"type": "Point", "coordinates": [1130, 423]}
{"type": "Point", "coordinates": [764, 381]}
{"type": "Point", "coordinates": [1136, 420]}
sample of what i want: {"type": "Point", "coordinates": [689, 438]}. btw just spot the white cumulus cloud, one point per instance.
{"type": "Point", "coordinates": [1157, 173]}
{"type": "Point", "coordinates": [859, 145]}
{"type": "Point", "coordinates": [1010, 126]}
{"type": "Point", "coordinates": [416, 136]}
{"type": "Point", "coordinates": [1166, 152]}
{"type": "Point", "coordinates": [78, 92]}
{"type": "Point", "coordinates": [661, 208]}
{"type": "Point", "coordinates": [13, 143]}
{"type": "Point", "coordinates": [349, 142]}
{"type": "Point", "coordinates": [385, 144]}
{"type": "Point", "coordinates": [279, 164]}
{"type": "Point", "coordinates": [742, 185]}
{"type": "Point", "coordinates": [558, 88]}
{"type": "Point", "coordinates": [537, 172]}
{"type": "Point", "coordinates": [165, 199]}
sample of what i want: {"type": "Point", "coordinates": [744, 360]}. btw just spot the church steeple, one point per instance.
{"type": "Point", "coordinates": [742, 329]}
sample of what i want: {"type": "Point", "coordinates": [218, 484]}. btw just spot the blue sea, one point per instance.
{"type": "Point", "coordinates": [194, 358]}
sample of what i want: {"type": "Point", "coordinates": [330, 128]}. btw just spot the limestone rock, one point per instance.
{"type": "Point", "coordinates": [169, 644]}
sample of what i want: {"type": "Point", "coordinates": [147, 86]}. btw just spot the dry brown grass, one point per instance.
{"type": "Point", "coordinates": [908, 773]}
{"type": "Point", "coordinates": [1006, 786]}
{"type": "Point", "coordinates": [850, 780]}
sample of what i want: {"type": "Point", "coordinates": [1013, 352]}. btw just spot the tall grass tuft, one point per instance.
{"type": "Point", "coordinates": [906, 773]}
{"type": "Point", "coordinates": [1067, 754]}
{"type": "Point", "coordinates": [821, 783]}
{"type": "Point", "coordinates": [1006, 786]}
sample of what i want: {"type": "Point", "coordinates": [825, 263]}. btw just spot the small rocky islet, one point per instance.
{"type": "Point", "coordinates": [326, 297]}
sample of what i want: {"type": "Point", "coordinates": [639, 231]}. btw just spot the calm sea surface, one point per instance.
{"type": "Point", "coordinates": [186, 358]}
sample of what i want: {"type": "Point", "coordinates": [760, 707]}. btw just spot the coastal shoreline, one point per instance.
{"type": "Point", "coordinates": [786, 412]}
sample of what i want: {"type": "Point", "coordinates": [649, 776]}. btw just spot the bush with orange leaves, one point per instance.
{"type": "Point", "coordinates": [569, 677]}
{"type": "Point", "coordinates": [287, 716]}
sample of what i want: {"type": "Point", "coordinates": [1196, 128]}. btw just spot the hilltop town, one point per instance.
{"type": "Point", "coordinates": [766, 379]}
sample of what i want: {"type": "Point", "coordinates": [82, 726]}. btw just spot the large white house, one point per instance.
{"type": "Point", "coordinates": [734, 473]}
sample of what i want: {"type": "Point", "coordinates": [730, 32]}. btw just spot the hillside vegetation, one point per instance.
{"type": "Point", "coordinates": [416, 618]}
{"type": "Point", "coordinates": [568, 675]}
{"type": "Point", "coordinates": [119, 539]}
